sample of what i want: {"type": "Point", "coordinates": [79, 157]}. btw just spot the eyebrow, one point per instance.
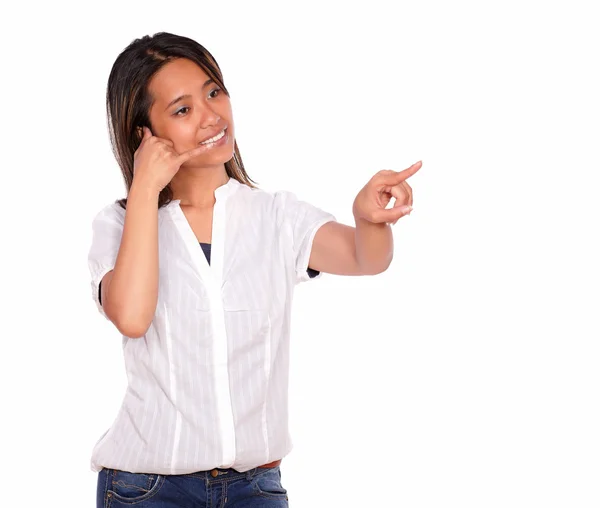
{"type": "Point", "coordinates": [187, 96]}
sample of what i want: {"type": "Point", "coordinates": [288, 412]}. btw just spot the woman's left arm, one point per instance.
{"type": "Point", "coordinates": [366, 249]}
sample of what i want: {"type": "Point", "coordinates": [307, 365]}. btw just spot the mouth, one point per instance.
{"type": "Point", "coordinates": [218, 140]}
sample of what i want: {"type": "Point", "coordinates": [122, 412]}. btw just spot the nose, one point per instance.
{"type": "Point", "coordinates": [208, 118]}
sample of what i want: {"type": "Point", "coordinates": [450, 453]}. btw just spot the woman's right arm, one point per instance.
{"type": "Point", "coordinates": [130, 290]}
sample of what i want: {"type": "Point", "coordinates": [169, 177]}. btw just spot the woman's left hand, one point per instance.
{"type": "Point", "coordinates": [372, 199]}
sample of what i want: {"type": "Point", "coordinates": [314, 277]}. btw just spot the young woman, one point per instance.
{"type": "Point", "coordinates": [196, 269]}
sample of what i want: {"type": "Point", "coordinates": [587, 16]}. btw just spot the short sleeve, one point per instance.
{"type": "Point", "coordinates": [302, 221]}
{"type": "Point", "coordinates": [107, 229]}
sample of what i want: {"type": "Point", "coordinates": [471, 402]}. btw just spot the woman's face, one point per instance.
{"type": "Point", "coordinates": [189, 108]}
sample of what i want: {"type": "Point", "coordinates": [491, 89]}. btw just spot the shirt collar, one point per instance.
{"type": "Point", "coordinates": [221, 192]}
{"type": "Point", "coordinates": [227, 189]}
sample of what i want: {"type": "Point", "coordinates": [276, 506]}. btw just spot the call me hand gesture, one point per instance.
{"type": "Point", "coordinates": [156, 162]}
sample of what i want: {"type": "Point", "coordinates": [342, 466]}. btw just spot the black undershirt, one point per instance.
{"type": "Point", "coordinates": [206, 249]}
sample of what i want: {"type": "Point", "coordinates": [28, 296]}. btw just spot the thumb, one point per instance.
{"type": "Point", "coordinates": [185, 156]}
{"type": "Point", "coordinates": [147, 133]}
{"type": "Point", "coordinates": [403, 210]}
{"type": "Point", "coordinates": [391, 215]}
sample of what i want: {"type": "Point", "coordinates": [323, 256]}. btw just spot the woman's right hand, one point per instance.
{"type": "Point", "coordinates": [155, 162]}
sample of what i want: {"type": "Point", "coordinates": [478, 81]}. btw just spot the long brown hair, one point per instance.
{"type": "Point", "coordinates": [128, 100]}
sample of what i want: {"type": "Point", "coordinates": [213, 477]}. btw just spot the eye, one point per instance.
{"type": "Point", "coordinates": [185, 109]}
{"type": "Point", "coordinates": [180, 110]}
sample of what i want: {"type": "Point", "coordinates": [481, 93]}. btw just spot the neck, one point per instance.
{"type": "Point", "coordinates": [195, 187]}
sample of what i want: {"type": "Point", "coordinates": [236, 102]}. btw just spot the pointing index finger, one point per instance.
{"type": "Point", "coordinates": [411, 171]}
{"type": "Point", "coordinates": [400, 176]}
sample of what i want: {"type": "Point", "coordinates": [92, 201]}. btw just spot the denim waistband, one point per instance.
{"type": "Point", "coordinates": [218, 474]}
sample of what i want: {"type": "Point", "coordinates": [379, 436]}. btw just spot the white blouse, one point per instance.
{"type": "Point", "coordinates": [208, 382]}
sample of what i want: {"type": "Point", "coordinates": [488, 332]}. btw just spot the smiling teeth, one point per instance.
{"type": "Point", "coordinates": [216, 138]}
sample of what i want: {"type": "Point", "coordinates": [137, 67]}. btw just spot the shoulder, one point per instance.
{"type": "Point", "coordinates": [279, 198]}
{"type": "Point", "coordinates": [113, 212]}
{"type": "Point", "coordinates": [286, 205]}
{"type": "Point", "coordinates": [262, 198]}
{"type": "Point", "coordinates": [266, 205]}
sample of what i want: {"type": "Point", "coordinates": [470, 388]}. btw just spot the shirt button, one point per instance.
{"type": "Point", "coordinates": [214, 473]}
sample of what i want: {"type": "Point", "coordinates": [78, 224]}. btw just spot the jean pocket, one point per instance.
{"type": "Point", "coordinates": [267, 483]}
{"type": "Point", "coordinates": [134, 487]}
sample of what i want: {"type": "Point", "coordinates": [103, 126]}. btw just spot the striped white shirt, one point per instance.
{"type": "Point", "coordinates": [208, 382]}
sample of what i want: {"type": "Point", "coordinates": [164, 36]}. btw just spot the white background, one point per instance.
{"type": "Point", "coordinates": [466, 374]}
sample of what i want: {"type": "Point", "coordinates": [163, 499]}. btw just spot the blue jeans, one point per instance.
{"type": "Point", "coordinates": [258, 487]}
